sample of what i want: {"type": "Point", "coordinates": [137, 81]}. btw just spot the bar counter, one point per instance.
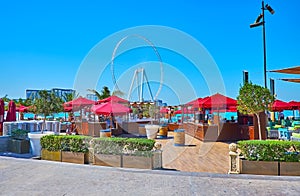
{"type": "Point", "coordinates": [224, 132]}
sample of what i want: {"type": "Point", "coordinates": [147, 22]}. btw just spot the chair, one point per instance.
{"type": "Point", "coordinates": [284, 134]}
{"type": "Point", "coordinates": [273, 134]}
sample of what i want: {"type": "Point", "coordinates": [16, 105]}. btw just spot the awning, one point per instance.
{"type": "Point", "coordinates": [292, 70]}
{"type": "Point", "coordinates": [296, 80]}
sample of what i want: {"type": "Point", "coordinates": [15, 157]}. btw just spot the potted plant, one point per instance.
{"type": "Point", "coordinates": [138, 153]}
{"type": "Point", "coordinates": [18, 142]}
{"type": "Point", "coordinates": [126, 152]}
{"type": "Point", "coordinates": [51, 147]}
{"type": "Point", "coordinates": [269, 157]}
{"type": "Point", "coordinates": [108, 151]}
{"type": "Point", "coordinates": [46, 104]}
{"type": "Point", "coordinates": [254, 99]}
{"type": "Point", "coordinates": [75, 149]}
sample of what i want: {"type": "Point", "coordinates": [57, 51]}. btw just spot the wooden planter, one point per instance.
{"type": "Point", "coordinates": [74, 157]}
{"type": "Point", "coordinates": [50, 155]}
{"type": "Point", "coordinates": [18, 146]}
{"type": "Point", "coordinates": [259, 167]}
{"type": "Point", "coordinates": [108, 160]}
{"type": "Point", "coordinates": [137, 162]}
{"type": "Point", "coordinates": [289, 168]}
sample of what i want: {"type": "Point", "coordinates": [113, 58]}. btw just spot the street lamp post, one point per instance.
{"type": "Point", "coordinates": [257, 23]}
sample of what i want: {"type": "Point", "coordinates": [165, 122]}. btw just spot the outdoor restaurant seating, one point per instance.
{"type": "Point", "coordinates": [284, 134]}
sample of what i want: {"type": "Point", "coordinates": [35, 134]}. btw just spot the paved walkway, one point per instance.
{"type": "Point", "coordinates": [37, 177]}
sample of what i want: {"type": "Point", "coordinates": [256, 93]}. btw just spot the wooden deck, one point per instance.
{"type": "Point", "coordinates": [195, 156]}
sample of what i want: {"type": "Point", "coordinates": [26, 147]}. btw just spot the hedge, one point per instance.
{"type": "Point", "coordinates": [270, 150]}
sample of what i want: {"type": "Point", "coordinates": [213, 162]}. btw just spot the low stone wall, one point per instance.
{"type": "Point", "coordinates": [4, 143]}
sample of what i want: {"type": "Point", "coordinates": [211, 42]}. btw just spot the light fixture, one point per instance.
{"type": "Point", "coordinates": [269, 8]}
{"type": "Point", "coordinates": [260, 21]}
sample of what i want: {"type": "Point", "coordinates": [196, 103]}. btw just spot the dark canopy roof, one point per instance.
{"type": "Point", "coordinates": [291, 70]}
{"type": "Point", "coordinates": [297, 80]}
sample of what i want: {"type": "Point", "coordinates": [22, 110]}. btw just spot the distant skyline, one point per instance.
{"type": "Point", "coordinates": [43, 44]}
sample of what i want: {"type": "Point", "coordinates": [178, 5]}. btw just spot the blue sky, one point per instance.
{"type": "Point", "coordinates": [43, 43]}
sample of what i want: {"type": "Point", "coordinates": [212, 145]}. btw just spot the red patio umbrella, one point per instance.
{"type": "Point", "coordinates": [110, 108]}
{"type": "Point", "coordinates": [11, 113]}
{"type": "Point", "coordinates": [164, 110]}
{"type": "Point", "coordinates": [195, 103]}
{"type": "Point", "coordinates": [218, 101]}
{"type": "Point", "coordinates": [229, 109]}
{"type": "Point", "coordinates": [279, 105]}
{"type": "Point", "coordinates": [114, 99]}
{"type": "Point", "coordinates": [22, 108]}
{"type": "Point", "coordinates": [78, 103]}
{"type": "Point", "coordinates": [295, 105]}
{"type": "Point", "coordinates": [2, 108]}
{"type": "Point", "coordinates": [81, 101]}
{"type": "Point", "coordinates": [185, 111]}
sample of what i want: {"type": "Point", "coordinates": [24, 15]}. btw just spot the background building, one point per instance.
{"type": "Point", "coordinates": [33, 93]}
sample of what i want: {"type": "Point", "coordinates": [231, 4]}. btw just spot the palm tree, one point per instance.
{"type": "Point", "coordinates": [95, 92]}
{"type": "Point", "coordinates": [5, 98]}
{"type": "Point", "coordinates": [105, 92]}
{"type": "Point", "coordinates": [70, 96]}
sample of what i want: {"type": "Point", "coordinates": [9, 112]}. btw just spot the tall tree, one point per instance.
{"type": "Point", "coordinates": [98, 95]}
{"type": "Point", "coordinates": [47, 104]}
{"type": "Point", "coordinates": [70, 96]}
{"type": "Point", "coordinates": [105, 92]}
{"type": "Point", "coordinates": [5, 98]}
{"type": "Point", "coordinates": [253, 99]}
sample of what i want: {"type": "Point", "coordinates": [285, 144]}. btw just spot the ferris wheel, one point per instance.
{"type": "Point", "coordinates": [139, 76]}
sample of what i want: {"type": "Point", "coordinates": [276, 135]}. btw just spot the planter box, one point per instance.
{"type": "Point", "coordinates": [74, 157]}
{"type": "Point", "coordinates": [4, 143]}
{"type": "Point", "coordinates": [290, 168]}
{"type": "Point", "coordinates": [18, 146]}
{"type": "Point", "coordinates": [50, 155]}
{"type": "Point", "coordinates": [108, 160]}
{"type": "Point", "coordinates": [137, 162]}
{"type": "Point", "coordinates": [259, 167]}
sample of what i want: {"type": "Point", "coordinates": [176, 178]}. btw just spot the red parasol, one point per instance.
{"type": "Point", "coordinates": [22, 108]}
{"type": "Point", "coordinates": [164, 110]}
{"type": "Point", "coordinates": [195, 103]}
{"type": "Point", "coordinates": [295, 105]}
{"type": "Point", "coordinates": [11, 113]}
{"type": "Point", "coordinates": [110, 108]}
{"type": "Point", "coordinates": [185, 111]}
{"type": "Point", "coordinates": [279, 105]}
{"type": "Point", "coordinates": [114, 99]}
{"type": "Point", "coordinates": [218, 101]}
{"type": "Point", "coordinates": [78, 103]}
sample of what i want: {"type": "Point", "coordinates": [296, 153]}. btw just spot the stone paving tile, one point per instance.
{"type": "Point", "coordinates": [32, 177]}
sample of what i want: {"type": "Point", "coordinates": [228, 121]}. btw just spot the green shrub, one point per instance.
{"type": "Point", "coordinates": [19, 134]}
{"type": "Point", "coordinates": [270, 150]}
{"type": "Point", "coordinates": [112, 146]}
{"type": "Point", "coordinates": [75, 143]}
{"type": "Point", "coordinates": [129, 146]}
{"type": "Point", "coordinates": [51, 142]}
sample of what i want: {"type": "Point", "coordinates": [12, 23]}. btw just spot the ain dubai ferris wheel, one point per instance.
{"type": "Point", "coordinates": [140, 79]}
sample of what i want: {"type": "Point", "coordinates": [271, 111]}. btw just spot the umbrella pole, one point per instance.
{"type": "Point", "coordinates": [218, 122]}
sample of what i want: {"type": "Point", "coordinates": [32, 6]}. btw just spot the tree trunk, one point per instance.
{"type": "Point", "coordinates": [259, 127]}
{"type": "Point", "coordinates": [44, 124]}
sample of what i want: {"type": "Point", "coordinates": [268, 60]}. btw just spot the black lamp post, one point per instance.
{"type": "Point", "coordinates": [257, 23]}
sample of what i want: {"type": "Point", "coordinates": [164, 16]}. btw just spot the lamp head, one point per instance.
{"type": "Point", "coordinates": [269, 8]}
{"type": "Point", "coordinates": [256, 24]}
